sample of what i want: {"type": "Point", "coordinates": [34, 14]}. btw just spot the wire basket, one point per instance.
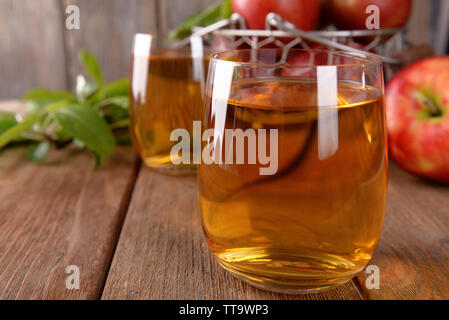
{"type": "Point", "coordinates": [281, 34]}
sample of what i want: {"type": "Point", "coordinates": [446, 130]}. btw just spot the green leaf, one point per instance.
{"type": "Point", "coordinates": [40, 97]}
{"type": "Point", "coordinates": [84, 89]}
{"type": "Point", "coordinates": [116, 88]}
{"type": "Point", "coordinates": [6, 124]}
{"type": "Point", "coordinates": [61, 136]}
{"type": "Point", "coordinates": [113, 89]}
{"type": "Point", "coordinates": [123, 139]}
{"type": "Point", "coordinates": [38, 152]}
{"type": "Point", "coordinates": [79, 143]}
{"type": "Point", "coordinates": [86, 125]}
{"type": "Point", "coordinates": [226, 9]}
{"type": "Point", "coordinates": [120, 101]}
{"type": "Point", "coordinates": [14, 132]}
{"type": "Point", "coordinates": [114, 113]}
{"type": "Point", "coordinates": [113, 109]}
{"type": "Point", "coordinates": [92, 67]}
{"type": "Point", "coordinates": [42, 94]}
{"type": "Point", "coordinates": [124, 123]}
{"type": "Point", "coordinates": [57, 105]}
{"type": "Point", "coordinates": [204, 18]}
{"type": "Point", "coordinates": [7, 120]}
{"type": "Point", "coordinates": [34, 106]}
{"type": "Point", "coordinates": [6, 115]}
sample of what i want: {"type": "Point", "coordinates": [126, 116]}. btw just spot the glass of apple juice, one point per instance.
{"type": "Point", "coordinates": [167, 87]}
{"type": "Point", "coordinates": [311, 217]}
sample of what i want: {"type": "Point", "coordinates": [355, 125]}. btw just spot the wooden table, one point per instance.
{"type": "Point", "coordinates": [135, 234]}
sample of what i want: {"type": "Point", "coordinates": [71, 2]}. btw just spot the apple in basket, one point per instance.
{"type": "Point", "coordinates": [417, 102]}
{"type": "Point", "coordinates": [304, 14]}
{"type": "Point", "coordinates": [352, 14]}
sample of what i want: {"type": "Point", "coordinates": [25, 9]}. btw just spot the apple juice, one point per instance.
{"type": "Point", "coordinates": [316, 221]}
{"type": "Point", "coordinates": [173, 100]}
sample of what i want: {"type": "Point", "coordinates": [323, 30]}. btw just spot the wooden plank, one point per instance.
{"type": "Point", "coordinates": [162, 253]}
{"type": "Point", "coordinates": [172, 12]}
{"type": "Point", "coordinates": [58, 214]}
{"type": "Point", "coordinates": [413, 253]}
{"type": "Point", "coordinates": [107, 28]}
{"type": "Point", "coordinates": [31, 46]}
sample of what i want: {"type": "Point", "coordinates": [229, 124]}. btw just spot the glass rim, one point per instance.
{"type": "Point", "coordinates": [363, 58]}
{"type": "Point", "coordinates": [146, 45]}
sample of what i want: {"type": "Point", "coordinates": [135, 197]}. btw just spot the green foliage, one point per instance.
{"type": "Point", "coordinates": [214, 13]}
{"type": "Point", "coordinates": [38, 152]}
{"type": "Point", "coordinates": [7, 120]}
{"type": "Point", "coordinates": [91, 66]}
{"type": "Point", "coordinates": [95, 117]}
{"type": "Point", "coordinates": [87, 126]}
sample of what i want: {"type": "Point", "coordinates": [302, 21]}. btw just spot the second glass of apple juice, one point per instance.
{"type": "Point", "coordinates": [313, 217]}
{"type": "Point", "coordinates": [167, 87]}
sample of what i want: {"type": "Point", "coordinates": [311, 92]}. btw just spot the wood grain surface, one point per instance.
{"type": "Point", "coordinates": [58, 214]}
{"type": "Point", "coordinates": [413, 253]}
{"type": "Point", "coordinates": [162, 253]}
{"type": "Point", "coordinates": [135, 234]}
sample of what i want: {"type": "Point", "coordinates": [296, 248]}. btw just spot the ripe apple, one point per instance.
{"type": "Point", "coordinates": [417, 102]}
{"type": "Point", "coordinates": [304, 14]}
{"type": "Point", "coordinates": [254, 11]}
{"type": "Point", "coordinates": [351, 14]}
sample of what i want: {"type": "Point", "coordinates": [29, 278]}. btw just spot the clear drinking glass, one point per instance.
{"type": "Point", "coordinates": [293, 179]}
{"type": "Point", "coordinates": [167, 87]}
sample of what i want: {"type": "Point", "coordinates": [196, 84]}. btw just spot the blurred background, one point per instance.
{"type": "Point", "coordinates": [36, 49]}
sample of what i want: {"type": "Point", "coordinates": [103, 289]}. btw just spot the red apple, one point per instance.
{"type": "Point", "coordinates": [304, 14]}
{"type": "Point", "coordinates": [351, 14]}
{"type": "Point", "coordinates": [417, 102]}
{"type": "Point", "coordinates": [254, 11]}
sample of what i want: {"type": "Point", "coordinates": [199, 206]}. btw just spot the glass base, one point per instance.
{"type": "Point", "coordinates": [304, 284]}
{"type": "Point", "coordinates": [170, 169]}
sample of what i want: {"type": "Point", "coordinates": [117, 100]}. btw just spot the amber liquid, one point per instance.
{"type": "Point", "coordinates": [316, 222]}
{"type": "Point", "coordinates": [173, 100]}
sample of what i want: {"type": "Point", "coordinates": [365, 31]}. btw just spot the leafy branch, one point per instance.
{"type": "Point", "coordinates": [215, 13]}
{"type": "Point", "coordinates": [95, 117]}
